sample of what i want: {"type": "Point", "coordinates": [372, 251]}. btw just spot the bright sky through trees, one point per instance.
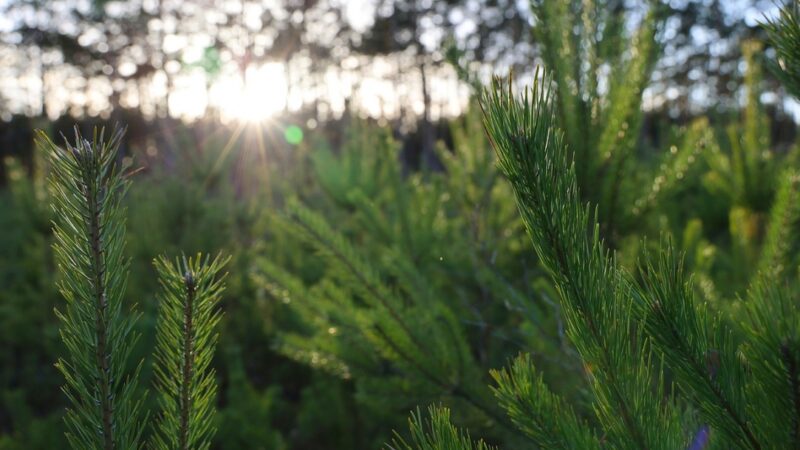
{"type": "Point", "coordinates": [241, 85]}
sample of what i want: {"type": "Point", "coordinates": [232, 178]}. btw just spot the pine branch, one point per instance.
{"type": "Point", "coordinates": [784, 34]}
{"type": "Point", "coordinates": [578, 39]}
{"type": "Point", "coordinates": [89, 240]}
{"type": "Point", "coordinates": [417, 333]}
{"type": "Point", "coordinates": [597, 305]}
{"type": "Point", "coordinates": [781, 239]}
{"type": "Point", "coordinates": [436, 433]}
{"type": "Point", "coordinates": [755, 122]}
{"type": "Point", "coordinates": [701, 353]}
{"type": "Point", "coordinates": [534, 409]}
{"type": "Point", "coordinates": [366, 276]}
{"type": "Point", "coordinates": [773, 352]}
{"type": "Point", "coordinates": [560, 54]}
{"type": "Point", "coordinates": [793, 375]}
{"type": "Point", "coordinates": [678, 165]}
{"type": "Point", "coordinates": [625, 97]}
{"type": "Point", "coordinates": [185, 342]}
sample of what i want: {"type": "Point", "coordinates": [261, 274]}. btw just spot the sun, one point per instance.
{"type": "Point", "coordinates": [261, 95]}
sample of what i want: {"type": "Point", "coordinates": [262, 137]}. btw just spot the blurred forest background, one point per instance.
{"type": "Point", "coordinates": [364, 111]}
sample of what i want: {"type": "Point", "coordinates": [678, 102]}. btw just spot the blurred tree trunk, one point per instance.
{"type": "Point", "coordinates": [426, 131]}
{"type": "Point", "coordinates": [287, 73]}
{"type": "Point", "coordinates": [162, 107]}
{"type": "Point", "coordinates": [43, 81]}
{"type": "Point", "coordinates": [3, 172]}
{"type": "Point", "coordinates": [23, 129]}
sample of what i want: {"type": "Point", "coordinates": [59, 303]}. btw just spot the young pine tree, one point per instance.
{"type": "Point", "coordinates": [185, 343]}
{"type": "Point", "coordinates": [89, 241]}
{"type": "Point", "coordinates": [106, 409]}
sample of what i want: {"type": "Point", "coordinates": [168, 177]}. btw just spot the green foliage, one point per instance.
{"type": "Point", "coordinates": [543, 416]}
{"type": "Point", "coordinates": [97, 332]}
{"type": "Point", "coordinates": [366, 305]}
{"type": "Point", "coordinates": [750, 181]}
{"type": "Point", "coordinates": [369, 288]}
{"type": "Point", "coordinates": [87, 194]}
{"type": "Point", "coordinates": [244, 424]}
{"type": "Point", "coordinates": [437, 433]}
{"type": "Point", "coordinates": [779, 251]}
{"type": "Point", "coordinates": [738, 379]}
{"type": "Point", "coordinates": [595, 297]}
{"type": "Point", "coordinates": [772, 351]}
{"type": "Point", "coordinates": [784, 32]}
{"type": "Point", "coordinates": [745, 164]}
{"type": "Point", "coordinates": [676, 166]}
{"type": "Point", "coordinates": [185, 343]}
{"type": "Point", "coordinates": [28, 328]}
{"type": "Point", "coordinates": [600, 72]}
{"type": "Point", "coordinates": [190, 207]}
{"type": "Point", "coordinates": [699, 351]}
{"type": "Point", "coordinates": [431, 346]}
{"type": "Point", "coordinates": [30, 432]}
{"type": "Point", "coordinates": [419, 290]}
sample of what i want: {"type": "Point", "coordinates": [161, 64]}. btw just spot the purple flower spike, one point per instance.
{"type": "Point", "coordinates": [700, 440]}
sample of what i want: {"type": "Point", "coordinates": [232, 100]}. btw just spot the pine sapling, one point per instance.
{"type": "Point", "coordinates": [185, 341]}
{"type": "Point", "coordinates": [98, 334]}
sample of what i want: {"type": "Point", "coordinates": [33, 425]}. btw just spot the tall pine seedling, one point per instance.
{"type": "Point", "coordinates": [97, 333]}
{"type": "Point", "coordinates": [185, 343]}
{"type": "Point", "coordinates": [106, 407]}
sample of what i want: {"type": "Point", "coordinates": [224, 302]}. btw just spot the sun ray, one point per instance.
{"type": "Point", "coordinates": [225, 151]}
